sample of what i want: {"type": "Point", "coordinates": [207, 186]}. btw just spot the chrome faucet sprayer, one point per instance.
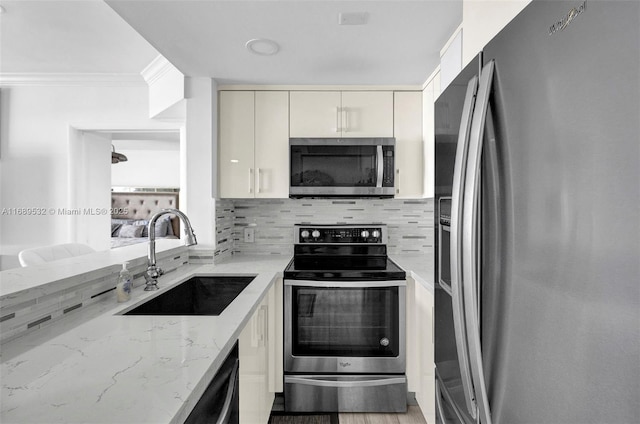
{"type": "Point", "coordinates": [153, 272]}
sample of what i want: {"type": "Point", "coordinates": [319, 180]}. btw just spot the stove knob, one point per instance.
{"type": "Point", "coordinates": [375, 234]}
{"type": "Point", "coordinates": [315, 233]}
{"type": "Point", "coordinates": [364, 234]}
{"type": "Point", "coordinates": [304, 233]}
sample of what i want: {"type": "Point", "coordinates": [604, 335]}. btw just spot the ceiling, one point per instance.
{"type": "Point", "coordinates": [400, 43]}
{"type": "Point", "coordinates": [69, 37]}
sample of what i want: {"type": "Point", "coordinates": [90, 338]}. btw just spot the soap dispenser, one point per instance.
{"type": "Point", "coordinates": [125, 282]}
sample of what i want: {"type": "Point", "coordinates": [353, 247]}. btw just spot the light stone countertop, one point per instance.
{"type": "Point", "coordinates": [43, 277]}
{"type": "Point", "coordinates": [128, 369]}
{"type": "Point", "coordinates": [138, 369]}
{"type": "Point", "coordinates": [419, 267]}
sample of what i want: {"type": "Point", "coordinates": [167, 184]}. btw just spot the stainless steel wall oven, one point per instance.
{"type": "Point", "coordinates": [344, 322]}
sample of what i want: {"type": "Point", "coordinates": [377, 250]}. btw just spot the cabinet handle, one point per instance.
{"type": "Point", "coordinates": [259, 327]}
{"type": "Point", "coordinates": [264, 324]}
{"type": "Point", "coordinates": [345, 119]}
{"type": "Point", "coordinates": [338, 119]}
{"type": "Point", "coordinates": [258, 180]}
{"type": "Point", "coordinates": [250, 180]}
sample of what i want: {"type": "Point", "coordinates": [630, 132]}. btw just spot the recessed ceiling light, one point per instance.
{"type": "Point", "coordinates": [262, 46]}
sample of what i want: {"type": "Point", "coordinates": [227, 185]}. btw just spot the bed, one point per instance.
{"type": "Point", "coordinates": [132, 208]}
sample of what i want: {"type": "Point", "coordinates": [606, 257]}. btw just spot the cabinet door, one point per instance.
{"type": "Point", "coordinates": [409, 146]}
{"type": "Point", "coordinates": [271, 144]}
{"type": "Point", "coordinates": [236, 137]}
{"type": "Point", "coordinates": [256, 400]}
{"type": "Point", "coordinates": [276, 341]}
{"type": "Point", "coordinates": [429, 138]}
{"type": "Point", "coordinates": [367, 114]}
{"type": "Point", "coordinates": [425, 386]}
{"type": "Point", "coordinates": [314, 114]}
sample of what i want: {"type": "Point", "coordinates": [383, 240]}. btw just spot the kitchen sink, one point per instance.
{"type": "Point", "coordinates": [196, 296]}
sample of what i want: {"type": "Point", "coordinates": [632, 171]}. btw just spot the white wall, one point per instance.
{"type": "Point", "coordinates": [150, 164]}
{"type": "Point", "coordinates": [90, 176]}
{"type": "Point", "coordinates": [36, 126]}
{"type": "Point", "coordinates": [199, 150]}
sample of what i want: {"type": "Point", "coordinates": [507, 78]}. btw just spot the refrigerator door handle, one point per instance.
{"type": "Point", "coordinates": [439, 408]}
{"type": "Point", "coordinates": [481, 121]}
{"type": "Point", "coordinates": [457, 301]}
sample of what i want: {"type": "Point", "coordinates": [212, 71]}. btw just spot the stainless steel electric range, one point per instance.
{"type": "Point", "coordinates": [344, 325]}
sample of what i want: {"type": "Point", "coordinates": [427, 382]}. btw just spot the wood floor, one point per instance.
{"type": "Point", "coordinates": [413, 416]}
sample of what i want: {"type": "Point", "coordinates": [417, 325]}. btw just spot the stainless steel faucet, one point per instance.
{"type": "Point", "coordinates": [153, 272]}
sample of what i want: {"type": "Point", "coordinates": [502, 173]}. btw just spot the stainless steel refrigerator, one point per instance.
{"type": "Point", "coordinates": [538, 221]}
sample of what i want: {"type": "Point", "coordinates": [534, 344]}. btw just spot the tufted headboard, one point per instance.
{"type": "Point", "coordinates": [142, 205]}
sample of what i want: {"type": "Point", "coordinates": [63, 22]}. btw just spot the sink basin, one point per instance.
{"type": "Point", "coordinates": [196, 296]}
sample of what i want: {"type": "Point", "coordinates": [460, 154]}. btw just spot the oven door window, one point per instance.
{"type": "Point", "coordinates": [333, 166]}
{"type": "Point", "coordinates": [347, 322]}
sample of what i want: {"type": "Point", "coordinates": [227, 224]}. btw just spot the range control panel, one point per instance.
{"type": "Point", "coordinates": [351, 234]}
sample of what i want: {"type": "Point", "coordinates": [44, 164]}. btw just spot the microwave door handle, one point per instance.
{"type": "Point", "coordinates": [380, 166]}
{"type": "Point", "coordinates": [455, 253]}
{"type": "Point", "coordinates": [482, 120]}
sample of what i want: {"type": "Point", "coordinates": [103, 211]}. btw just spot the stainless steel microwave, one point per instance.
{"type": "Point", "coordinates": [350, 167]}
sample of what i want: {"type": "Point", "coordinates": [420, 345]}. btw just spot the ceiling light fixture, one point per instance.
{"type": "Point", "coordinates": [262, 46]}
{"type": "Point", "coordinates": [117, 157]}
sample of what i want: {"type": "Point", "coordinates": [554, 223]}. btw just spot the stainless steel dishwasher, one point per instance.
{"type": "Point", "coordinates": [219, 403]}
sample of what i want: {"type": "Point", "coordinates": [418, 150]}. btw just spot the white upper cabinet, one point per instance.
{"type": "Point", "coordinates": [409, 144]}
{"type": "Point", "coordinates": [314, 114]}
{"type": "Point", "coordinates": [272, 144]}
{"type": "Point", "coordinates": [341, 114]}
{"type": "Point", "coordinates": [367, 114]}
{"type": "Point", "coordinates": [253, 144]}
{"type": "Point", "coordinates": [482, 20]}
{"type": "Point", "coordinates": [236, 144]}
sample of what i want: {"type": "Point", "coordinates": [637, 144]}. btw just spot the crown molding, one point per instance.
{"type": "Point", "coordinates": [36, 79]}
{"type": "Point", "coordinates": [156, 69]}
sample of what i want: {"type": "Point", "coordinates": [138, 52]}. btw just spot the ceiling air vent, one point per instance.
{"type": "Point", "coordinates": [353, 18]}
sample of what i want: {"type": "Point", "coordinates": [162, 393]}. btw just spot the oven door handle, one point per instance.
{"type": "Point", "coordinates": [368, 382]}
{"type": "Point", "coordinates": [346, 284]}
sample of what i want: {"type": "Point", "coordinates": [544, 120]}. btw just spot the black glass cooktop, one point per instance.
{"type": "Point", "coordinates": [347, 268]}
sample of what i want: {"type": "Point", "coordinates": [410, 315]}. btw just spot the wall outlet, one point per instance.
{"type": "Point", "coordinates": [249, 235]}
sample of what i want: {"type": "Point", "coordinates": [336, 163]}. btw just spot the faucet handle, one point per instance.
{"type": "Point", "coordinates": [160, 271]}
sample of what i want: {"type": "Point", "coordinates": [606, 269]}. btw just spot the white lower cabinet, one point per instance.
{"type": "Point", "coordinates": [420, 356]}
{"type": "Point", "coordinates": [256, 395]}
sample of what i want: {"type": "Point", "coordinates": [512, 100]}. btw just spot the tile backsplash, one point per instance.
{"type": "Point", "coordinates": [409, 222]}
